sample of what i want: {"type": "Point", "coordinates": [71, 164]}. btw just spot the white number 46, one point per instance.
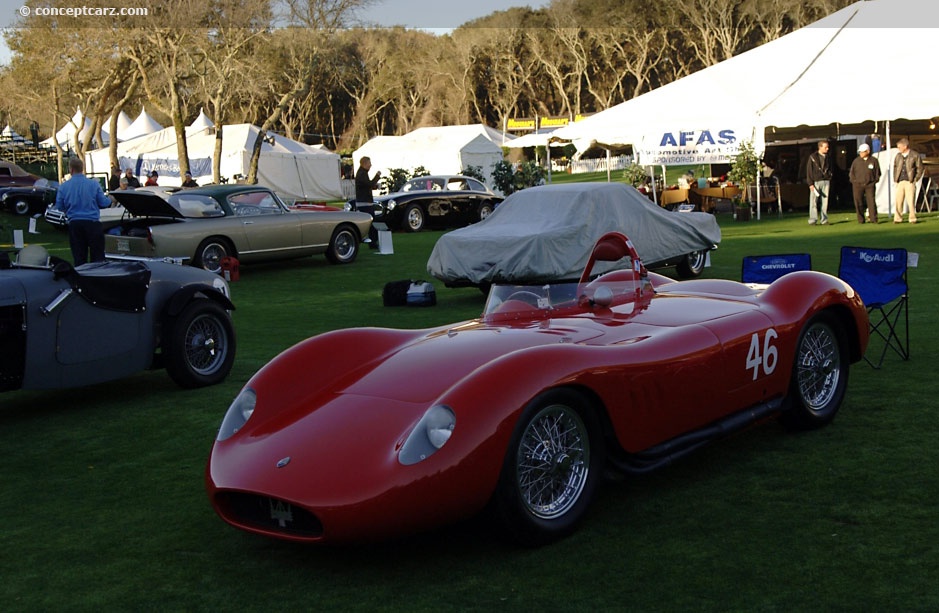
{"type": "Point", "coordinates": [767, 358]}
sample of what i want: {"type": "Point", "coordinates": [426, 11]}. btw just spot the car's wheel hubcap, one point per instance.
{"type": "Point", "coordinates": [819, 367]}
{"type": "Point", "coordinates": [205, 347]}
{"type": "Point", "coordinates": [553, 462]}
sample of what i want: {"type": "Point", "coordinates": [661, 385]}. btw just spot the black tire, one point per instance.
{"type": "Point", "coordinates": [485, 210]}
{"type": "Point", "coordinates": [692, 265]}
{"type": "Point", "coordinates": [551, 470]}
{"type": "Point", "coordinates": [819, 375]}
{"type": "Point", "coordinates": [343, 246]}
{"type": "Point", "coordinates": [210, 252]}
{"type": "Point", "coordinates": [199, 345]}
{"type": "Point", "coordinates": [21, 207]}
{"type": "Point", "coordinates": [414, 218]}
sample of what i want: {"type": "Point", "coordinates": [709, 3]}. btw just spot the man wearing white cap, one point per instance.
{"type": "Point", "coordinates": [864, 174]}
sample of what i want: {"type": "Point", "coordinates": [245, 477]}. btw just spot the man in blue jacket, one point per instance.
{"type": "Point", "coordinates": [82, 199]}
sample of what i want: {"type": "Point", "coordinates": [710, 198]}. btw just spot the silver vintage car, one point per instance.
{"type": "Point", "coordinates": [248, 222]}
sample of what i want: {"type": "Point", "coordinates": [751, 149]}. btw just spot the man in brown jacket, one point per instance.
{"type": "Point", "coordinates": [864, 175]}
{"type": "Point", "coordinates": [907, 170]}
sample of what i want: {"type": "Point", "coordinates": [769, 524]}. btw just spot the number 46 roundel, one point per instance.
{"type": "Point", "coordinates": [762, 355]}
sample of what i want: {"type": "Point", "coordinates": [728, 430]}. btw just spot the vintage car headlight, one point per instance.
{"type": "Point", "coordinates": [390, 205]}
{"type": "Point", "coordinates": [221, 285]}
{"type": "Point", "coordinates": [4, 196]}
{"type": "Point", "coordinates": [430, 434]}
{"type": "Point", "coordinates": [238, 414]}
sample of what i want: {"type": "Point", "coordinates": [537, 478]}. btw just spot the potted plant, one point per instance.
{"type": "Point", "coordinates": [741, 208]}
{"type": "Point", "coordinates": [743, 170]}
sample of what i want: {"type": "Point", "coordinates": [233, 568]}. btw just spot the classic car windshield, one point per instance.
{"type": "Point", "coordinates": [196, 206]}
{"type": "Point", "coordinates": [615, 288]}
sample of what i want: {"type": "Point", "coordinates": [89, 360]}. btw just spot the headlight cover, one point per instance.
{"type": "Point", "coordinates": [430, 434]}
{"type": "Point", "coordinates": [390, 205]}
{"type": "Point", "coordinates": [240, 411]}
{"type": "Point", "coordinates": [221, 285]}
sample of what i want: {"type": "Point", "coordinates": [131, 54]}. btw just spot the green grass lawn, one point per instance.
{"type": "Point", "coordinates": [103, 506]}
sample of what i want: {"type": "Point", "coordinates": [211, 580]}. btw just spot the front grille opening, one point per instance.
{"type": "Point", "coordinates": [268, 514]}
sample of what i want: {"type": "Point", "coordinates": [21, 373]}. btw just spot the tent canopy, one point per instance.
{"type": "Point", "coordinates": [798, 79]}
{"type": "Point", "coordinates": [143, 125]}
{"type": "Point", "coordinates": [65, 136]}
{"type": "Point", "coordinates": [287, 166]}
{"type": "Point", "coordinates": [441, 150]}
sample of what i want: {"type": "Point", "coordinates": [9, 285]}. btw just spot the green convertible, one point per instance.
{"type": "Point", "coordinates": [248, 222]}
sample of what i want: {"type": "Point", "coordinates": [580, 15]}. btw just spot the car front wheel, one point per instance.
{"type": "Point", "coordinates": [485, 211]}
{"type": "Point", "coordinates": [21, 207]}
{"type": "Point", "coordinates": [551, 470]}
{"type": "Point", "coordinates": [343, 246]}
{"type": "Point", "coordinates": [414, 218]}
{"type": "Point", "coordinates": [692, 265]}
{"type": "Point", "coordinates": [209, 254]}
{"type": "Point", "coordinates": [199, 347]}
{"type": "Point", "coordinates": [819, 375]}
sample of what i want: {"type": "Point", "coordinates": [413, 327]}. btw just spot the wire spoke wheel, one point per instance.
{"type": "Point", "coordinates": [553, 462]}
{"type": "Point", "coordinates": [818, 369]}
{"type": "Point", "coordinates": [206, 345]}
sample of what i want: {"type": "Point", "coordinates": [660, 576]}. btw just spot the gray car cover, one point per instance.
{"type": "Point", "coordinates": [546, 233]}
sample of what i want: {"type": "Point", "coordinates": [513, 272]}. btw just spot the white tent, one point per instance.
{"type": "Point", "coordinates": [143, 125]}
{"type": "Point", "coordinates": [65, 136]}
{"type": "Point", "coordinates": [123, 125]}
{"type": "Point", "coordinates": [202, 122]}
{"type": "Point", "coordinates": [287, 166]}
{"type": "Point", "coordinates": [809, 77]}
{"type": "Point", "coordinates": [441, 150]}
{"type": "Point", "coordinates": [10, 137]}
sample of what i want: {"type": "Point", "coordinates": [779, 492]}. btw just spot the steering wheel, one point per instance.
{"type": "Point", "coordinates": [527, 297]}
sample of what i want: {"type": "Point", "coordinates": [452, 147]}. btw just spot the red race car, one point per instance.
{"type": "Point", "coordinates": [520, 411]}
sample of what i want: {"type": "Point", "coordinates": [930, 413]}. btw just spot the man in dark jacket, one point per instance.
{"type": "Point", "coordinates": [818, 176]}
{"type": "Point", "coordinates": [364, 200]}
{"type": "Point", "coordinates": [907, 170]}
{"type": "Point", "coordinates": [864, 175]}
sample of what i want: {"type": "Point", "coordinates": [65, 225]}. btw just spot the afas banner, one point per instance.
{"type": "Point", "coordinates": [707, 146]}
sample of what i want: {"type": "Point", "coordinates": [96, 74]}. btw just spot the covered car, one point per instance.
{"type": "Point", "coordinates": [204, 225]}
{"type": "Point", "coordinates": [64, 327]}
{"type": "Point", "coordinates": [522, 410]}
{"type": "Point", "coordinates": [545, 233]}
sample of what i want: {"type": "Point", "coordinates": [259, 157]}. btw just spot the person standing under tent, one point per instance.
{"type": "Point", "coordinates": [907, 171]}
{"type": "Point", "coordinates": [818, 176]}
{"type": "Point", "coordinates": [864, 175]}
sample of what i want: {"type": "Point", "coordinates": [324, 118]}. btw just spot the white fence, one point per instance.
{"type": "Point", "coordinates": [618, 162]}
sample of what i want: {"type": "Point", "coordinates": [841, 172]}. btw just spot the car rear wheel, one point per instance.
{"type": "Point", "coordinates": [199, 348]}
{"type": "Point", "coordinates": [210, 252]}
{"type": "Point", "coordinates": [343, 246]}
{"type": "Point", "coordinates": [692, 265]}
{"type": "Point", "coordinates": [21, 207]}
{"type": "Point", "coordinates": [485, 211]}
{"type": "Point", "coordinates": [414, 218]}
{"type": "Point", "coordinates": [551, 470]}
{"type": "Point", "coordinates": [819, 375]}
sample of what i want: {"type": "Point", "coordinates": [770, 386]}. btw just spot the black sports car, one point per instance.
{"type": "Point", "coordinates": [29, 200]}
{"type": "Point", "coordinates": [434, 201]}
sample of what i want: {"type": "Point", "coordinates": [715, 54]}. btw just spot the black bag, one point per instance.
{"type": "Point", "coordinates": [395, 293]}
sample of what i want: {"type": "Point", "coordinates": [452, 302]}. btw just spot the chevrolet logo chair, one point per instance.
{"type": "Point", "coordinates": [879, 277]}
{"type": "Point", "coordinates": [768, 268]}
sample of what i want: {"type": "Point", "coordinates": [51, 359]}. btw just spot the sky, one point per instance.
{"type": "Point", "coordinates": [438, 16]}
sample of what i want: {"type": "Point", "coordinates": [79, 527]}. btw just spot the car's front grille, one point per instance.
{"type": "Point", "coordinates": [268, 514]}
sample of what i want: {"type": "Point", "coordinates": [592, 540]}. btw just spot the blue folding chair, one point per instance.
{"type": "Point", "coordinates": [879, 278]}
{"type": "Point", "coordinates": [768, 268]}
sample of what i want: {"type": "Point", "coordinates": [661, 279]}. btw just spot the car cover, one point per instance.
{"type": "Point", "coordinates": [546, 233]}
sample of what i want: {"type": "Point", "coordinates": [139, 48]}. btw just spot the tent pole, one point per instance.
{"type": "Point", "coordinates": [889, 173]}
{"type": "Point", "coordinates": [607, 165]}
{"type": "Point", "coordinates": [548, 149]}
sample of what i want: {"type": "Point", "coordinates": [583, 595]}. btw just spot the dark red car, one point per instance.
{"type": "Point", "coordinates": [521, 410]}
